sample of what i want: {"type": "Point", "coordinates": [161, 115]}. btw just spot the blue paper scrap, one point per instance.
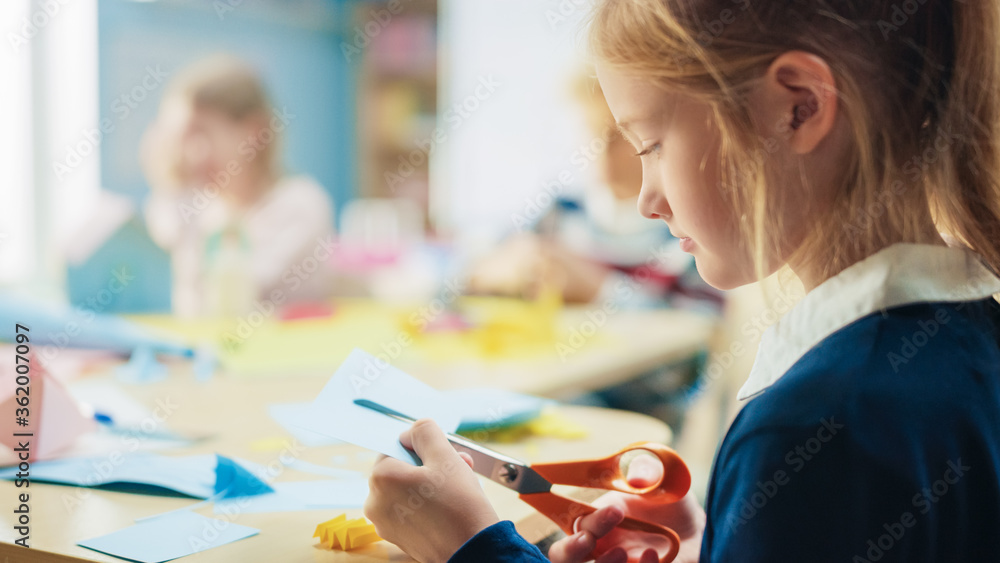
{"type": "Point", "coordinates": [199, 476]}
{"type": "Point", "coordinates": [169, 536]}
{"type": "Point", "coordinates": [142, 367]}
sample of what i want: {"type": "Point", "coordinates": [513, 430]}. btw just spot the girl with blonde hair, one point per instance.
{"type": "Point", "coordinates": [239, 231]}
{"type": "Point", "coordinates": [854, 144]}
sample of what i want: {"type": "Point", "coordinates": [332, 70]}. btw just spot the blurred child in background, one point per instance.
{"type": "Point", "coordinates": [238, 230]}
{"type": "Point", "coordinates": [596, 247]}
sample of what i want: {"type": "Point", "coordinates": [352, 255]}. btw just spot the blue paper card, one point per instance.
{"type": "Point", "coordinates": [362, 376]}
{"type": "Point", "coordinates": [199, 476]}
{"type": "Point", "coordinates": [169, 536]}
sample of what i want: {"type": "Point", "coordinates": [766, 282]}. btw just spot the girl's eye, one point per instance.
{"type": "Point", "coordinates": [652, 148]}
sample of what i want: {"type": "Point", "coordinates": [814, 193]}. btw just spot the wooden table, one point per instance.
{"type": "Point", "coordinates": [234, 412]}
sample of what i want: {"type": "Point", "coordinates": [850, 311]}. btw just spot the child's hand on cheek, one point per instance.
{"type": "Point", "coordinates": [428, 511]}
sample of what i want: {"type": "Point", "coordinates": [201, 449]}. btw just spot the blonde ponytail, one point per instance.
{"type": "Point", "coordinates": [967, 186]}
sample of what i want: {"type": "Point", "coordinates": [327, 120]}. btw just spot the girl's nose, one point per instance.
{"type": "Point", "coordinates": [652, 204]}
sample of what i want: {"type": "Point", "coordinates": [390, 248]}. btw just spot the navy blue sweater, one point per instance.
{"type": "Point", "coordinates": [882, 443]}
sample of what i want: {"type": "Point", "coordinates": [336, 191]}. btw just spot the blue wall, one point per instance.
{"type": "Point", "coordinates": [296, 47]}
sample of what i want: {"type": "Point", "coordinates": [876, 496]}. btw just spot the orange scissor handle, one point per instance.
{"type": "Point", "coordinates": [564, 512]}
{"type": "Point", "coordinates": [607, 473]}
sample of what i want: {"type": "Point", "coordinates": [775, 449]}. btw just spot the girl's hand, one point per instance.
{"type": "Point", "coordinates": [597, 530]}
{"type": "Point", "coordinates": [428, 511]}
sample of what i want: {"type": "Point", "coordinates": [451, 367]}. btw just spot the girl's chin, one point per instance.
{"type": "Point", "coordinates": [720, 274]}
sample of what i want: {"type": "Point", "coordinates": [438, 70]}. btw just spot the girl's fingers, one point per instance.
{"type": "Point", "coordinates": [428, 441]}
{"type": "Point", "coordinates": [649, 556]}
{"type": "Point", "coordinates": [616, 555]}
{"type": "Point", "coordinates": [573, 549]}
{"type": "Point", "coordinates": [467, 459]}
{"type": "Point", "coordinates": [601, 521]}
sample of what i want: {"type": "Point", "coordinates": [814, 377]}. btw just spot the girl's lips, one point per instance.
{"type": "Point", "coordinates": [687, 245]}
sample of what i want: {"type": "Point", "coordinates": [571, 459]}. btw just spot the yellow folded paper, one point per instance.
{"type": "Point", "coordinates": [346, 534]}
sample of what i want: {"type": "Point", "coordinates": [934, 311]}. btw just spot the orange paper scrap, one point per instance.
{"type": "Point", "coordinates": [346, 534]}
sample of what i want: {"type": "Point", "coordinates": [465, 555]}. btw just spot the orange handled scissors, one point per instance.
{"type": "Point", "coordinates": [533, 482]}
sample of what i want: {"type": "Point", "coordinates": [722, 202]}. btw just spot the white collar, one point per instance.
{"type": "Point", "coordinates": [898, 275]}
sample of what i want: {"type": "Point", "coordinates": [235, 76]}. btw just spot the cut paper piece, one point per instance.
{"type": "Point", "coordinates": [345, 534]}
{"type": "Point", "coordinates": [362, 376]}
{"type": "Point", "coordinates": [142, 367]}
{"type": "Point", "coordinates": [499, 329]}
{"type": "Point", "coordinates": [549, 424]}
{"type": "Point", "coordinates": [169, 536]}
{"type": "Point", "coordinates": [493, 409]}
{"type": "Point", "coordinates": [53, 419]}
{"type": "Point", "coordinates": [289, 416]}
{"type": "Point", "coordinates": [205, 362]}
{"type": "Point", "coordinates": [296, 496]}
{"type": "Point", "coordinates": [200, 476]}
{"type": "Point", "coordinates": [233, 480]}
{"type": "Point", "coordinates": [272, 444]}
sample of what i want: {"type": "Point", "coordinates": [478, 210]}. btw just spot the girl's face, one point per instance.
{"type": "Point", "coordinates": [213, 148]}
{"type": "Point", "coordinates": [213, 144]}
{"type": "Point", "coordinates": [678, 145]}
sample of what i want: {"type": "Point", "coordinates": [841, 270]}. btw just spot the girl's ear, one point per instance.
{"type": "Point", "coordinates": [801, 95]}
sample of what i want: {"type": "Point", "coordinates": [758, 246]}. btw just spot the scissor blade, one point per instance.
{"type": "Point", "coordinates": [509, 472]}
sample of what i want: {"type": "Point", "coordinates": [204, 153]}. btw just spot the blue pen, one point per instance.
{"type": "Point", "coordinates": [108, 421]}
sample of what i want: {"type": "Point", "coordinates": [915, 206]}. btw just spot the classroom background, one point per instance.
{"type": "Point", "coordinates": [474, 213]}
